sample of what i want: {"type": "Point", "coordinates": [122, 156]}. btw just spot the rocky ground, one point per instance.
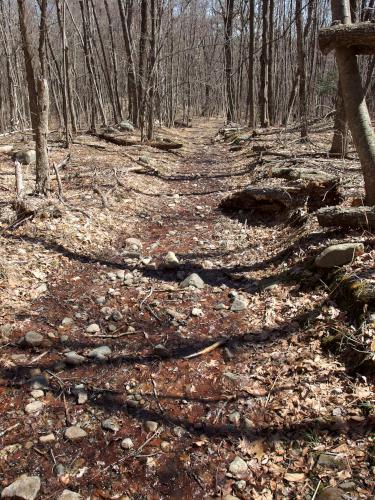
{"type": "Point", "coordinates": [153, 347]}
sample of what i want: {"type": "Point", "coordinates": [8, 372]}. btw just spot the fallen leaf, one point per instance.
{"type": "Point", "coordinates": [295, 477]}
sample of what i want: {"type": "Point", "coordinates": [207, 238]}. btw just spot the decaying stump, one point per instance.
{"type": "Point", "coordinates": [354, 217]}
{"type": "Point", "coordinates": [308, 187]}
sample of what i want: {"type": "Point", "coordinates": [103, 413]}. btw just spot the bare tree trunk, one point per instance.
{"type": "Point", "coordinates": [301, 70]}
{"type": "Point", "coordinates": [271, 111]}
{"type": "Point", "coordinates": [263, 97]}
{"type": "Point", "coordinates": [150, 127]}
{"type": "Point", "coordinates": [142, 64]}
{"type": "Point", "coordinates": [340, 128]}
{"type": "Point", "coordinates": [251, 63]}
{"type": "Point", "coordinates": [355, 105]}
{"type": "Point", "coordinates": [228, 33]}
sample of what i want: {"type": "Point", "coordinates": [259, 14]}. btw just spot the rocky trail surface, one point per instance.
{"type": "Point", "coordinates": [158, 348]}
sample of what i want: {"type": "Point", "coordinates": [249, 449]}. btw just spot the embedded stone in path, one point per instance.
{"type": "Point", "coordinates": [339, 255]}
{"type": "Point", "coordinates": [193, 280]}
{"type": "Point", "coordinates": [26, 487]}
{"type": "Point", "coordinates": [75, 433]}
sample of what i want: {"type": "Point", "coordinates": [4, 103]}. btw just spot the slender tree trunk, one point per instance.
{"type": "Point", "coordinates": [355, 105]}
{"type": "Point", "coordinates": [271, 111]}
{"type": "Point", "coordinates": [301, 70]}
{"type": "Point", "coordinates": [250, 98]}
{"type": "Point", "coordinates": [263, 96]}
{"type": "Point", "coordinates": [228, 33]}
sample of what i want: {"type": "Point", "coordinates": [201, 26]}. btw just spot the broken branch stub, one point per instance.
{"type": "Point", "coordinates": [359, 37]}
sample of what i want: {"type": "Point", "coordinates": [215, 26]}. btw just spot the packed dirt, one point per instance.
{"type": "Point", "coordinates": [262, 413]}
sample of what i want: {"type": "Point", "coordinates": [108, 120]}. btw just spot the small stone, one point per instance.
{"type": "Point", "coordinates": [81, 393]}
{"type": "Point", "coordinates": [331, 494]}
{"type": "Point", "coordinates": [116, 316]}
{"type": "Point", "coordinates": [126, 126]}
{"type": "Point", "coordinates": [64, 339]}
{"type": "Point", "coordinates": [120, 274]}
{"type": "Point", "coordinates": [37, 393]}
{"type": "Point", "coordinates": [111, 276]}
{"type": "Point", "coordinates": [220, 307]}
{"type": "Point", "coordinates": [339, 255]}
{"type": "Point", "coordinates": [100, 353]}
{"type": "Point", "coordinates": [33, 339]}
{"type": "Point", "coordinates": [69, 495]}
{"type": "Point", "coordinates": [26, 487]}
{"type": "Point", "coordinates": [234, 417]}
{"type": "Point", "coordinates": [133, 246]}
{"type": "Point", "coordinates": [240, 485]}
{"type": "Point", "coordinates": [170, 260]}
{"type": "Point", "coordinates": [230, 497]}
{"type": "Point", "coordinates": [75, 433]}
{"type": "Point", "coordinates": [151, 426]}
{"type": "Point", "coordinates": [178, 431]}
{"type": "Point", "coordinates": [197, 312]}
{"type": "Point", "coordinates": [165, 446]}
{"type": "Point", "coordinates": [101, 300]}
{"type": "Point", "coordinates": [239, 304]}
{"type": "Point", "coordinates": [93, 328]}
{"type": "Point", "coordinates": [110, 425]}
{"type": "Point", "coordinates": [332, 461]}
{"type": "Point", "coordinates": [238, 467]}
{"type": "Point", "coordinates": [34, 407]}
{"type": "Point", "coordinates": [127, 444]}
{"type": "Point", "coordinates": [193, 280]}
{"type": "Point", "coordinates": [48, 438]}
{"type": "Point", "coordinates": [348, 485]}
{"type": "Point", "coordinates": [67, 321]}
{"type": "Point", "coordinates": [59, 470]}
{"type": "Point", "coordinates": [74, 359]}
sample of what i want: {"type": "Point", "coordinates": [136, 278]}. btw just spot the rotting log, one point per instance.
{"type": "Point", "coordinates": [360, 37]}
{"type": "Point", "coordinates": [322, 188]}
{"type": "Point", "coordinates": [354, 217]}
{"type": "Point", "coordinates": [121, 141]}
{"type": "Point", "coordinates": [266, 199]}
{"type": "Point", "coordinates": [165, 146]}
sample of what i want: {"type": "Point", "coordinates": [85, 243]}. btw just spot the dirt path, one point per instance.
{"type": "Point", "coordinates": [267, 395]}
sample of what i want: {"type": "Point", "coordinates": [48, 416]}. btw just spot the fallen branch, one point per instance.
{"type": "Point", "coordinates": [207, 349]}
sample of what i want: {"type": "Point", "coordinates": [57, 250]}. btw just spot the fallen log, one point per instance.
{"type": "Point", "coordinates": [354, 217]}
{"type": "Point", "coordinates": [359, 36]}
{"type": "Point", "coordinates": [119, 141]}
{"type": "Point", "coordinates": [166, 146]}
{"type": "Point", "coordinates": [265, 199]}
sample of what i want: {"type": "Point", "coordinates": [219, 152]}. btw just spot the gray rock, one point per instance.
{"type": "Point", "coordinates": [238, 467]}
{"type": "Point", "coordinates": [197, 312]}
{"type": "Point", "coordinates": [101, 300]}
{"type": "Point", "coordinates": [116, 316]}
{"type": "Point", "coordinates": [25, 157]}
{"type": "Point", "coordinates": [239, 304]}
{"type": "Point", "coordinates": [81, 393]}
{"type": "Point", "coordinates": [34, 407]}
{"type": "Point", "coordinates": [240, 485]}
{"type": "Point", "coordinates": [332, 461]}
{"type": "Point", "coordinates": [26, 487]}
{"type": "Point", "coordinates": [69, 495]}
{"type": "Point", "coordinates": [93, 328]}
{"type": "Point", "coordinates": [170, 260]}
{"type": "Point", "coordinates": [145, 160]}
{"type": "Point", "coordinates": [33, 339]}
{"type": "Point", "coordinates": [348, 485]}
{"type": "Point", "coordinates": [230, 497]}
{"type": "Point", "coordinates": [37, 393]}
{"type": "Point", "coordinates": [331, 494]}
{"type": "Point", "coordinates": [193, 280]}
{"type": "Point", "coordinates": [67, 321]}
{"type": "Point", "coordinates": [339, 255]}
{"type": "Point", "coordinates": [59, 470]}
{"type": "Point", "coordinates": [178, 431]}
{"type": "Point", "coordinates": [74, 359]}
{"type": "Point", "coordinates": [151, 426]}
{"type": "Point", "coordinates": [127, 444]}
{"type": "Point", "coordinates": [100, 352]}
{"type": "Point", "coordinates": [126, 126]}
{"type": "Point", "coordinates": [75, 433]}
{"type": "Point", "coordinates": [110, 425]}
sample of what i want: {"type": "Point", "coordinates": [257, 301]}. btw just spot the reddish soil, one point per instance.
{"type": "Point", "coordinates": [294, 401]}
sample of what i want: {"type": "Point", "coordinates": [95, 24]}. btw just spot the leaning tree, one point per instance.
{"type": "Point", "coordinates": [348, 40]}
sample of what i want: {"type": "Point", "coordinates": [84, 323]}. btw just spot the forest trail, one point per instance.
{"type": "Point", "coordinates": [265, 414]}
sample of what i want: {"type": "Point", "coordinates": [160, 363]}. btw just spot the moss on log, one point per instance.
{"type": "Point", "coordinates": [354, 217]}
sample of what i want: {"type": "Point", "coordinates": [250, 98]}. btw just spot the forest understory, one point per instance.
{"type": "Point", "coordinates": [205, 391]}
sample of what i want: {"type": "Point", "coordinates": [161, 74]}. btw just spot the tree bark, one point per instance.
{"type": "Point", "coordinates": [228, 33]}
{"type": "Point", "coordinates": [356, 107]}
{"type": "Point", "coordinates": [263, 97]}
{"type": "Point", "coordinates": [301, 70]}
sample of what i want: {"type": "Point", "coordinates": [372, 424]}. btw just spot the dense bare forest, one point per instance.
{"type": "Point", "coordinates": [187, 251]}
